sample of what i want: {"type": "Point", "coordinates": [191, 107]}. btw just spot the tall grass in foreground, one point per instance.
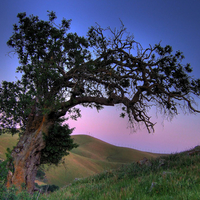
{"type": "Point", "coordinates": [178, 177]}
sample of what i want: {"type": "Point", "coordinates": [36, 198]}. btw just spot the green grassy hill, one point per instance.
{"type": "Point", "coordinates": [175, 176]}
{"type": "Point", "coordinates": [91, 157]}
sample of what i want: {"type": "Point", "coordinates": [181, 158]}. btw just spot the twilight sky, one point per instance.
{"type": "Point", "coordinates": [173, 22]}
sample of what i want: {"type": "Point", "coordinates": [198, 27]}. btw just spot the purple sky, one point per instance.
{"type": "Point", "coordinates": [174, 22]}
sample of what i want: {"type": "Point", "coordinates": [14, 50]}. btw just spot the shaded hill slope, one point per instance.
{"type": "Point", "coordinates": [94, 148]}
{"type": "Point", "coordinates": [91, 157]}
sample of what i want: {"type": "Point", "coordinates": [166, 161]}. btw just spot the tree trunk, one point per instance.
{"type": "Point", "coordinates": [26, 156]}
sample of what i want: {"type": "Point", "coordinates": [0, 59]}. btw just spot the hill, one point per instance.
{"type": "Point", "coordinates": [91, 157]}
{"type": "Point", "coordinates": [93, 148]}
{"type": "Point", "coordinates": [175, 176]}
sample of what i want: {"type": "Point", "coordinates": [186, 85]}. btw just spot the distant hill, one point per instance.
{"type": "Point", "coordinates": [91, 157]}
{"type": "Point", "coordinates": [93, 148]}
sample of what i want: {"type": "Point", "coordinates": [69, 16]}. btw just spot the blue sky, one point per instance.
{"type": "Point", "coordinates": [173, 22]}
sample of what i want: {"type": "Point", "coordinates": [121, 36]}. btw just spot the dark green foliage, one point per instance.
{"type": "Point", "coordinates": [3, 171]}
{"type": "Point", "coordinates": [58, 144]}
{"type": "Point", "coordinates": [6, 165]}
{"type": "Point", "coordinates": [41, 47]}
{"type": "Point", "coordinates": [40, 174]}
{"type": "Point", "coordinates": [49, 188]}
{"type": "Point", "coordinates": [13, 194]}
{"type": "Point", "coordinates": [9, 159]}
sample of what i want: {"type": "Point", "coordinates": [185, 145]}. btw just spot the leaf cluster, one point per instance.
{"type": "Point", "coordinates": [58, 144]}
{"type": "Point", "coordinates": [61, 70]}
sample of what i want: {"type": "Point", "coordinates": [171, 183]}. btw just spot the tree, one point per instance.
{"type": "Point", "coordinates": [61, 70]}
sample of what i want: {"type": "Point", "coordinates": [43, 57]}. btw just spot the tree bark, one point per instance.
{"type": "Point", "coordinates": [26, 155]}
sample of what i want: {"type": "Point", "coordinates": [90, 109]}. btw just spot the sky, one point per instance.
{"type": "Point", "coordinates": [173, 22]}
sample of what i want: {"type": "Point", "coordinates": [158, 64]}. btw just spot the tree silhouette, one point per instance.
{"type": "Point", "coordinates": [61, 70]}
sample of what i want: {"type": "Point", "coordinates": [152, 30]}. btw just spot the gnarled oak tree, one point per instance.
{"type": "Point", "coordinates": [61, 70]}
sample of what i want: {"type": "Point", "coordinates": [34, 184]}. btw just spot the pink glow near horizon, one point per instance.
{"type": "Point", "coordinates": [174, 136]}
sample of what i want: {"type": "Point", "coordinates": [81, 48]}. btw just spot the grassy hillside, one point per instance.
{"type": "Point", "coordinates": [6, 141]}
{"type": "Point", "coordinates": [174, 176]}
{"type": "Point", "coordinates": [93, 148]}
{"type": "Point", "coordinates": [91, 157]}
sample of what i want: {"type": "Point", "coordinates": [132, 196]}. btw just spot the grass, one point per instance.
{"type": "Point", "coordinates": [177, 178]}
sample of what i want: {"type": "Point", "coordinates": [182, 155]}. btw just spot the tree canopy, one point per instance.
{"type": "Point", "coordinates": [61, 70]}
